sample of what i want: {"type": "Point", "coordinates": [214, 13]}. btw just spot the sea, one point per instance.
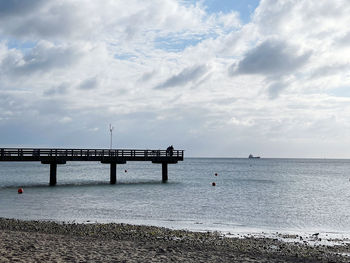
{"type": "Point", "coordinates": [249, 196]}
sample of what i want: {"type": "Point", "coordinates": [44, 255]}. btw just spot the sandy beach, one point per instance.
{"type": "Point", "coordinates": [41, 241]}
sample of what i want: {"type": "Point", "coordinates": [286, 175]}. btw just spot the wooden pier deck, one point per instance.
{"type": "Point", "coordinates": [56, 156]}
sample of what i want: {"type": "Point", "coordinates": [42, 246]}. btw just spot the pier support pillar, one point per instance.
{"type": "Point", "coordinates": [164, 172]}
{"type": "Point", "coordinates": [113, 169]}
{"type": "Point", "coordinates": [53, 174]}
{"type": "Point", "coordinates": [53, 170]}
{"type": "Point", "coordinates": [113, 173]}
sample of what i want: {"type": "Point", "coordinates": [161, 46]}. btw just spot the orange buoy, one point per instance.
{"type": "Point", "coordinates": [216, 174]}
{"type": "Point", "coordinates": [20, 190]}
{"type": "Point", "coordinates": [213, 184]}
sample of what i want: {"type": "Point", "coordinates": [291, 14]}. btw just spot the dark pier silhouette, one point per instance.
{"type": "Point", "coordinates": [53, 157]}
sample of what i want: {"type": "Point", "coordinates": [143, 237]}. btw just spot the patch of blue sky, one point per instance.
{"type": "Point", "coordinates": [340, 92]}
{"type": "Point", "coordinates": [177, 44]}
{"type": "Point", "coordinates": [245, 8]}
{"type": "Point", "coordinates": [20, 45]}
{"type": "Point", "coordinates": [124, 56]}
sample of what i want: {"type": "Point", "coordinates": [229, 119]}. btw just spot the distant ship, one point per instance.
{"type": "Point", "coordinates": [253, 157]}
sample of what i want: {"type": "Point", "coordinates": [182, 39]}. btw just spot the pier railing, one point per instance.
{"type": "Point", "coordinates": [22, 152]}
{"type": "Point", "coordinates": [18, 153]}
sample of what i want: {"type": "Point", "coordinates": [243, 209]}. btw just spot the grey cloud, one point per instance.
{"type": "Point", "coordinates": [9, 62]}
{"type": "Point", "coordinates": [52, 106]}
{"type": "Point", "coordinates": [59, 21]}
{"type": "Point", "coordinates": [30, 20]}
{"type": "Point", "coordinates": [344, 40]}
{"type": "Point", "coordinates": [330, 70]}
{"type": "Point", "coordinates": [271, 58]}
{"type": "Point", "coordinates": [8, 102]}
{"type": "Point", "coordinates": [27, 106]}
{"type": "Point", "coordinates": [59, 90]}
{"type": "Point", "coordinates": [275, 89]}
{"type": "Point", "coordinates": [43, 58]}
{"type": "Point", "coordinates": [185, 76]}
{"type": "Point", "coordinates": [147, 76]}
{"type": "Point", "coordinates": [32, 117]}
{"type": "Point", "coordinates": [89, 84]}
{"type": "Point", "coordinates": [18, 7]}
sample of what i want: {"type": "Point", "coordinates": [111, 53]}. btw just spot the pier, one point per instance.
{"type": "Point", "coordinates": [55, 157]}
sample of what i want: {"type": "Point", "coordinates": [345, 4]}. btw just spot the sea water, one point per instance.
{"type": "Point", "coordinates": [251, 195]}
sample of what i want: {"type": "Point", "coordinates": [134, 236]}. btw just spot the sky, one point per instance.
{"type": "Point", "coordinates": [216, 78]}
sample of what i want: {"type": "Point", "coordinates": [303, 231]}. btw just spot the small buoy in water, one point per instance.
{"type": "Point", "coordinates": [126, 171]}
{"type": "Point", "coordinates": [20, 190]}
{"type": "Point", "coordinates": [216, 174]}
{"type": "Point", "coordinates": [213, 184]}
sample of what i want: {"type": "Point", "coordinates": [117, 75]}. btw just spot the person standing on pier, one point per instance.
{"type": "Point", "coordinates": [169, 150]}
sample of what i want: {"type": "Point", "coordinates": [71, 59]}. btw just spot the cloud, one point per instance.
{"type": "Point", "coordinates": [66, 119]}
{"type": "Point", "coordinates": [187, 75]}
{"type": "Point", "coordinates": [62, 89]}
{"type": "Point", "coordinates": [44, 57]}
{"type": "Point", "coordinates": [54, 20]}
{"type": "Point", "coordinates": [275, 88]}
{"type": "Point", "coordinates": [18, 8]}
{"type": "Point", "coordinates": [89, 84]}
{"type": "Point", "coordinates": [329, 70]}
{"type": "Point", "coordinates": [147, 76]}
{"type": "Point", "coordinates": [38, 19]}
{"type": "Point", "coordinates": [343, 40]}
{"type": "Point", "coordinates": [271, 58]}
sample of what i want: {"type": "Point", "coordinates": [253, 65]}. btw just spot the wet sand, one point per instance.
{"type": "Point", "coordinates": [41, 241]}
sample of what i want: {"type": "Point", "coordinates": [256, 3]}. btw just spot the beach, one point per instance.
{"type": "Point", "coordinates": [45, 241]}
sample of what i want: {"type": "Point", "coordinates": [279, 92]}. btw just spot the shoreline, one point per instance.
{"type": "Point", "coordinates": [33, 241]}
{"type": "Point", "coordinates": [308, 237]}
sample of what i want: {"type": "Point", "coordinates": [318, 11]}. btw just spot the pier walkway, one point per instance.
{"type": "Point", "coordinates": [53, 157]}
